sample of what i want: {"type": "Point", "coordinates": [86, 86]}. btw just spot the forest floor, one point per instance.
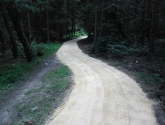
{"type": "Point", "coordinates": [32, 101]}
{"type": "Point", "coordinates": [142, 69]}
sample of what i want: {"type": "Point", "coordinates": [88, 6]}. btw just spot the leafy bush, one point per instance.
{"type": "Point", "coordinates": [100, 45]}
{"type": "Point", "coordinates": [78, 33]}
{"type": "Point", "coordinates": [81, 32]}
{"type": "Point", "coordinates": [150, 78]}
{"type": "Point", "coordinates": [115, 44]}
{"type": "Point", "coordinates": [15, 72]}
{"type": "Point", "coordinates": [36, 47]}
{"type": "Point", "coordinates": [121, 48]}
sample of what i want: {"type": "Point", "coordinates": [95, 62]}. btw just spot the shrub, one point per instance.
{"type": "Point", "coordinates": [115, 44]}
{"type": "Point", "coordinates": [102, 44]}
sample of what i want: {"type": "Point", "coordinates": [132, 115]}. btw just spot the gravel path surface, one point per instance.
{"type": "Point", "coordinates": [102, 94]}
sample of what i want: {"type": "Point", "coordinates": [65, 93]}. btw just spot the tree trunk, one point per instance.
{"type": "Point", "coordinates": [67, 24]}
{"type": "Point", "coordinates": [61, 25]}
{"type": "Point", "coordinates": [74, 25]}
{"type": "Point", "coordinates": [2, 43]}
{"type": "Point", "coordinates": [29, 28]}
{"type": "Point", "coordinates": [119, 25]}
{"type": "Point", "coordinates": [72, 30]}
{"type": "Point", "coordinates": [95, 32]}
{"type": "Point", "coordinates": [11, 35]}
{"type": "Point", "coordinates": [152, 28]}
{"type": "Point", "coordinates": [90, 36]}
{"type": "Point", "coordinates": [47, 14]}
{"type": "Point", "coordinates": [143, 22]}
{"type": "Point", "coordinates": [16, 22]}
{"type": "Point", "coordinates": [101, 21]}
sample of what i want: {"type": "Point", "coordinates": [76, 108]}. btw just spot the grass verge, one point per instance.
{"type": "Point", "coordinates": [150, 78]}
{"type": "Point", "coordinates": [54, 84]}
{"type": "Point", "coordinates": [18, 71]}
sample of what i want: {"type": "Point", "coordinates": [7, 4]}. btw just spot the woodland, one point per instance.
{"type": "Point", "coordinates": [133, 29]}
{"type": "Point", "coordinates": [136, 22]}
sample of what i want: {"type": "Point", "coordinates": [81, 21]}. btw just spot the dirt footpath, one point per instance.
{"type": "Point", "coordinates": [102, 95]}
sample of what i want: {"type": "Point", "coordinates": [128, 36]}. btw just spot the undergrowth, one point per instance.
{"type": "Point", "coordinates": [116, 45]}
{"type": "Point", "coordinates": [16, 72]}
{"type": "Point", "coordinates": [154, 79]}
{"type": "Point", "coordinates": [78, 33]}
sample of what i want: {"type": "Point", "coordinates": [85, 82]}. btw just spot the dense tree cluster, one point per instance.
{"type": "Point", "coordinates": [23, 21]}
{"type": "Point", "coordinates": [131, 21]}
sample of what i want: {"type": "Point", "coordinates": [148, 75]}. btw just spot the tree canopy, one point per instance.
{"type": "Point", "coordinates": [135, 21]}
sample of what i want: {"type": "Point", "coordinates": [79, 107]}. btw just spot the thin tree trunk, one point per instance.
{"type": "Point", "coordinates": [67, 24]}
{"type": "Point", "coordinates": [95, 32]}
{"type": "Point", "coordinates": [29, 28]}
{"type": "Point", "coordinates": [72, 30]}
{"type": "Point", "coordinates": [148, 18]}
{"type": "Point", "coordinates": [152, 29]}
{"type": "Point", "coordinates": [74, 26]}
{"type": "Point", "coordinates": [61, 25]}
{"type": "Point", "coordinates": [143, 22]}
{"type": "Point", "coordinates": [119, 25]}
{"type": "Point", "coordinates": [47, 25]}
{"type": "Point", "coordinates": [101, 22]}
{"type": "Point", "coordinates": [88, 24]}
{"type": "Point", "coordinates": [16, 22]}
{"type": "Point", "coordinates": [11, 35]}
{"type": "Point", "coordinates": [61, 32]}
{"type": "Point", "coordinates": [2, 43]}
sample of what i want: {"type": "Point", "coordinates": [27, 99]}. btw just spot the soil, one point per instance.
{"type": "Point", "coordinates": [17, 95]}
{"type": "Point", "coordinates": [132, 65]}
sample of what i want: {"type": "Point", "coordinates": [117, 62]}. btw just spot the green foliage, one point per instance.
{"type": "Point", "coordinates": [17, 71]}
{"type": "Point", "coordinates": [37, 47]}
{"type": "Point", "coordinates": [54, 83]}
{"type": "Point", "coordinates": [100, 45]}
{"type": "Point", "coordinates": [34, 90]}
{"type": "Point", "coordinates": [121, 48]}
{"type": "Point", "coordinates": [57, 78]}
{"type": "Point", "coordinates": [150, 78]}
{"type": "Point", "coordinates": [49, 48]}
{"type": "Point", "coordinates": [116, 45]}
{"type": "Point", "coordinates": [14, 73]}
{"type": "Point", "coordinates": [81, 32]}
{"type": "Point", "coordinates": [30, 5]}
{"type": "Point", "coordinates": [21, 50]}
{"type": "Point", "coordinates": [160, 44]}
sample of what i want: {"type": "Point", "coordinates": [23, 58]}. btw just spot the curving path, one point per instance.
{"type": "Point", "coordinates": [102, 94]}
